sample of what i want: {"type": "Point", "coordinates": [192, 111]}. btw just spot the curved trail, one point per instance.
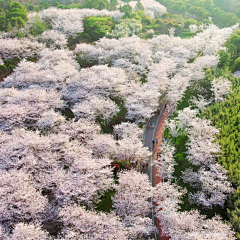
{"type": "Point", "coordinates": [153, 134]}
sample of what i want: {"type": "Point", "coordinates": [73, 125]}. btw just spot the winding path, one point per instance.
{"type": "Point", "coordinates": [153, 134]}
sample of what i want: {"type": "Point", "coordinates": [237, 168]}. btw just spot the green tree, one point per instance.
{"type": "Point", "coordinates": [182, 9]}
{"type": "Point", "coordinates": [5, 4]}
{"type": "Point", "coordinates": [12, 14]}
{"type": "Point", "coordinates": [18, 10]}
{"type": "Point", "coordinates": [224, 59]}
{"type": "Point", "coordinates": [97, 27]}
{"type": "Point", "coordinates": [237, 64]}
{"type": "Point", "coordinates": [139, 6]}
{"type": "Point", "coordinates": [37, 27]}
{"type": "Point", "coordinates": [112, 5]}
{"type": "Point", "coordinates": [208, 3]}
{"type": "Point", "coordinates": [127, 10]}
{"type": "Point", "coordinates": [97, 4]}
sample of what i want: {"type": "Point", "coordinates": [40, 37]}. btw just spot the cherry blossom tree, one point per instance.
{"type": "Point", "coordinates": [186, 225]}
{"type": "Point", "coordinates": [221, 87]}
{"type": "Point", "coordinates": [171, 32]}
{"type": "Point", "coordinates": [202, 149]}
{"type": "Point", "coordinates": [133, 49]}
{"type": "Point", "coordinates": [154, 6]}
{"type": "Point", "coordinates": [79, 222]}
{"type": "Point", "coordinates": [23, 48]}
{"type": "Point", "coordinates": [206, 61]}
{"type": "Point", "coordinates": [186, 116]}
{"type": "Point", "coordinates": [95, 107]}
{"type": "Point", "coordinates": [82, 130]}
{"type": "Point", "coordinates": [131, 201]}
{"type": "Point", "coordinates": [26, 107]}
{"type": "Point", "coordinates": [69, 21]}
{"type": "Point", "coordinates": [127, 130]}
{"type": "Point", "coordinates": [53, 39]}
{"type": "Point", "coordinates": [51, 71]}
{"type": "Point", "coordinates": [58, 169]}
{"type": "Point", "coordinates": [49, 121]}
{"type": "Point", "coordinates": [173, 127]}
{"type": "Point", "coordinates": [212, 183]}
{"type": "Point", "coordinates": [102, 145]}
{"type": "Point", "coordinates": [24, 231]}
{"type": "Point", "coordinates": [99, 80]}
{"type": "Point", "coordinates": [126, 28]}
{"type": "Point", "coordinates": [19, 199]}
{"type": "Point", "coordinates": [131, 150]}
{"type": "Point", "coordinates": [200, 102]}
{"type": "Point", "coordinates": [165, 163]}
{"type": "Point", "coordinates": [138, 227]}
{"type": "Point", "coordinates": [193, 28]}
{"type": "Point", "coordinates": [133, 192]}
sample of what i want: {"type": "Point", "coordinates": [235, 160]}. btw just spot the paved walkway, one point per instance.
{"type": "Point", "coordinates": [150, 135]}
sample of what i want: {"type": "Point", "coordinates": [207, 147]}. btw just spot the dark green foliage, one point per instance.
{"type": "Point", "coordinates": [8, 67]}
{"type": "Point", "coordinates": [237, 64]}
{"type": "Point", "coordinates": [127, 10]}
{"type": "Point", "coordinates": [222, 16]}
{"type": "Point", "coordinates": [139, 6]}
{"type": "Point", "coordinates": [96, 27]}
{"type": "Point", "coordinates": [112, 5]}
{"type": "Point", "coordinates": [12, 14]}
{"type": "Point", "coordinates": [233, 46]}
{"type": "Point", "coordinates": [79, 38]}
{"type": "Point", "coordinates": [97, 4]}
{"type": "Point", "coordinates": [105, 203]}
{"type": "Point", "coordinates": [37, 27]}
{"type": "Point", "coordinates": [224, 59]}
{"type": "Point", "coordinates": [226, 117]}
{"type": "Point", "coordinates": [140, 15]}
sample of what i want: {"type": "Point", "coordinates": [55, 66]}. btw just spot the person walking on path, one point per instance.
{"type": "Point", "coordinates": [156, 141]}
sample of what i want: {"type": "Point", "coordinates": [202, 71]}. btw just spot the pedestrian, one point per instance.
{"type": "Point", "coordinates": [153, 142]}
{"type": "Point", "coordinates": [156, 141]}
{"type": "Point", "coordinates": [165, 105]}
{"type": "Point", "coordinates": [152, 125]}
{"type": "Point", "coordinates": [147, 165]}
{"type": "Point", "coordinates": [144, 165]}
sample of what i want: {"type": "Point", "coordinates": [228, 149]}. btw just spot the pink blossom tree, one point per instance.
{"type": "Point", "coordinates": [24, 108]}
{"type": "Point", "coordinates": [51, 71]}
{"type": "Point", "coordinates": [131, 202]}
{"type": "Point", "coordinates": [212, 184]}
{"type": "Point", "coordinates": [186, 225]}
{"type": "Point", "coordinates": [24, 231]}
{"type": "Point", "coordinates": [79, 222]}
{"type": "Point", "coordinates": [221, 87]}
{"type": "Point", "coordinates": [165, 163]}
{"type": "Point", "coordinates": [20, 201]}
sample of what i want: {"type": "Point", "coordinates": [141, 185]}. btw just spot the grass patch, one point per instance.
{"type": "Point", "coordinates": [107, 127]}
{"type": "Point", "coordinates": [105, 204]}
{"type": "Point", "coordinates": [182, 165]}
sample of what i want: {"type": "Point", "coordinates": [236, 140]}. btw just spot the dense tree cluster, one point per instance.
{"type": "Point", "coordinates": [55, 159]}
{"type": "Point", "coordinates": [12, 14]}
{"type": "Point", "coordinates": [204, 9]}
{"type": "Point", "coordinates": [225, 116]}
